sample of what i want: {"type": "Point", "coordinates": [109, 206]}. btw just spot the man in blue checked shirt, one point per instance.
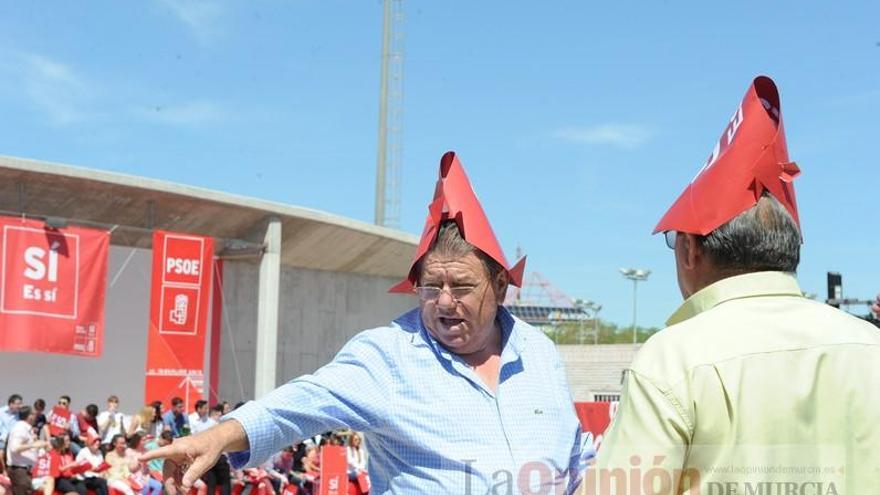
{"type": "Point", "coordinates": [456, 396]}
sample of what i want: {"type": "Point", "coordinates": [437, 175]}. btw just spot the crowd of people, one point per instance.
{"type": "Point", "coordinates": [58, 450]}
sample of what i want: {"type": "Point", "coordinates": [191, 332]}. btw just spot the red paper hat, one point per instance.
{"type": "Point", "coordinates": [454, 199]}
{"type": "Point", "coordinates": [750, 157]}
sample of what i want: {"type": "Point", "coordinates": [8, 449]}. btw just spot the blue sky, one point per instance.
{"type": "Point", "coordinates": [578, 123]}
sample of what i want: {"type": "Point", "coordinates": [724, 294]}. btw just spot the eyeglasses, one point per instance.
{"type": "Point", "coordinates": [670, 235]}
{"type": "Point", "coordinates": [428, 293]}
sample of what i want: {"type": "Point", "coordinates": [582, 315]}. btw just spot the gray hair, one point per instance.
{"type": "Point", "coordinates": [450, 242]}
{"type": "Point", "coordinates": [763, 238]}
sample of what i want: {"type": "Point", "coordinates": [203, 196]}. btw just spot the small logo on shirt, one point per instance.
{"type": "Point", "coordinates": [538, 411]}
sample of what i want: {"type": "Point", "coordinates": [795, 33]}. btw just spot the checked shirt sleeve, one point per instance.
{"type": "Point", "coordinates": [352, 391]}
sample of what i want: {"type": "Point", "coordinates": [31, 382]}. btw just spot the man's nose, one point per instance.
{"type": "Point", "coordinates": [445, 300]}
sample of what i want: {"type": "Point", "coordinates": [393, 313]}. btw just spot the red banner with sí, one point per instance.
{"type": "Point", "coordinates": [52, 288]}
{"type": "Point", "coordinates": [595, 417]}
{"type": "Point", "coordinates": [334, 470]}
{"type": "Point", "coordinates": [59, 420]}
{"type": "Point", "coordinates": [179, 300]}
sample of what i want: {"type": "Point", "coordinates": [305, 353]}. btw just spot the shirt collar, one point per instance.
{"type": "Point", "coordinates": [738, 287]}
{"type": "Point", "coordinates": [514, 335]}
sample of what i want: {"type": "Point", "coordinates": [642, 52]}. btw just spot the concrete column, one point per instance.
{"type": "Point", "coordinates": [268, 303]}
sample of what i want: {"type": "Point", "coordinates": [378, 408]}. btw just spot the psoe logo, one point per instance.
{"type": "Point", "coordinates": [179, 312]}
{"type": "Point", "coordinates": [179, 307]}
{"type": "Point", "coordinates": [40, 274]}
{"type": "Point", "coordinates": [183, 260]}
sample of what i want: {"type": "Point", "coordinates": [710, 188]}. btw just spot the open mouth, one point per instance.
{"type": "Point", "coordinates": [450, 322]}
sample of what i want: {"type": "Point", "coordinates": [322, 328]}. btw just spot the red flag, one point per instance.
{"type": "Point", "coordinates": [43, 466]}
{"type": "Point", "coordinates": [363, 481]}
{"type": "Point", "coordinates": [334, 470]}
{"type": "Point", "coordinates": [179, 299]}
{"type": "Point", "coordinates": [52, 288]}
{"type": "Point", "coordinates": [59, 420]}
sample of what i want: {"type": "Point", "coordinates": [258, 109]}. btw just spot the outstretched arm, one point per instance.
{"type": "Point", "coordinates": [351, 391]}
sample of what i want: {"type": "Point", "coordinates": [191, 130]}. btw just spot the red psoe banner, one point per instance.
{"type": "Point", "coordinates": [334, 470]}
{"type": "Point", "coordinates": [52, 288]}
{"type": "Point", "coordinates": [179, 300]}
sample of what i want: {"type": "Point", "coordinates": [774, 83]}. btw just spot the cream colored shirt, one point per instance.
{"type": "Point", "coordinates": [119, 466]}
{"type": "Point", "coordinates": [752, 389]}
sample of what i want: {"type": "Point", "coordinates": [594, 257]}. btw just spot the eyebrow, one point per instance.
{"type": "Point", "coordinates": [465, 280]}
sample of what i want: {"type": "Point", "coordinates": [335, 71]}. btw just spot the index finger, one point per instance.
{"type": "Point", "coordinates": [171, 451]}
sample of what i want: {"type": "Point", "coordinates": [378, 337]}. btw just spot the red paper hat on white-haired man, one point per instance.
{"type": "Point", "coordinates": [751, 157]}
{"type": "Point", "coordinates": [454, 199]}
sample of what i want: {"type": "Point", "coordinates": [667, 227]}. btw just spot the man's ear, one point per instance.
{"type": "Point", "coordinates": [692, 251]}
{"type": "Point", "coordinates": [500, 286]}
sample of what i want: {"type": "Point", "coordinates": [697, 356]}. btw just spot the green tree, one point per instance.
{"type": "Point", "coordinates": [571, 333]}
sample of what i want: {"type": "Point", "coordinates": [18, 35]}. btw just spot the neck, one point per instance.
{"type": "Point", "coordinates": [714, 275]}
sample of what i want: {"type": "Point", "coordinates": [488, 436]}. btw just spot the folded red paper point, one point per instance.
{"type": "Point", "coordinates": [454, 199]}
{"type": "Point", "coordinates": [751, 157]}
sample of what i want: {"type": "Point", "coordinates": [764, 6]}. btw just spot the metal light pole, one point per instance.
{"type": "Point", "coordinates": [388, 152]}
{"type": "Point", "coordinates": [383, 117]}
{"type": "Point", "coordinates": [636, 275]}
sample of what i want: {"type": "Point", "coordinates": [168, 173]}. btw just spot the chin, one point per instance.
{"type": "Point", "coordinates": [452, 339]}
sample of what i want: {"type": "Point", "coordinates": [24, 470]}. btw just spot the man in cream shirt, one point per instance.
{"type": "Point", "coordinates": [752, 388]}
